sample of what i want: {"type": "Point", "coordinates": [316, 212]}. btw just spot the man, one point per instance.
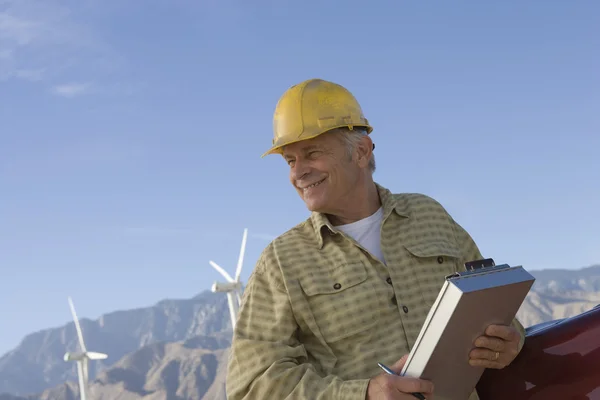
{"type": "Point", "coordinates": [350, 286]}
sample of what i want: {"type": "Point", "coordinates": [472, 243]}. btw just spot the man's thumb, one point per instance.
{"type": "Point", "coordinates": [398, 365]}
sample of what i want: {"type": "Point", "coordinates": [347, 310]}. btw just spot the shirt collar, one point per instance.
{"type": "Point", "coordinates": [321, 223]}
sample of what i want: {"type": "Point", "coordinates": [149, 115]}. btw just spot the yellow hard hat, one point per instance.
{"type": "Point", "coordinates": [311, 108]}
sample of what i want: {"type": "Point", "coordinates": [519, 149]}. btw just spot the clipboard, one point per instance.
{"type": "Point", "coordinates": [467, 303]}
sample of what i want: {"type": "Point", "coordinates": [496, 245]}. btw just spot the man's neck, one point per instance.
{"type": "Point", "coordinates": [365, 203]}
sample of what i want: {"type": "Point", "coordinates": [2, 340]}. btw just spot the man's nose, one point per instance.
{"type": "Point", "coordinates": [300, 169]}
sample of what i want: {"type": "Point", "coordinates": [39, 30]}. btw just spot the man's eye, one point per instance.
{"type": "Point", "coordinates": [314, 153]}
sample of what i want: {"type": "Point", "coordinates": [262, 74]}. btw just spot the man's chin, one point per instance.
{"type": "Point", "coordinates": [315, 202]}
{"type": "Point", "coordinates": [312, 205]}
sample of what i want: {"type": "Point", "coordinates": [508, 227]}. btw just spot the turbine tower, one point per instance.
{"type": "Point", "coordinates": [232, 287]}
{"type": "Point", "coordinates": [82, 357]}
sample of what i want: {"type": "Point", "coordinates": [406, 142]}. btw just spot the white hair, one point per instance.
{"type": "Point", "coordinates": [351, 138]}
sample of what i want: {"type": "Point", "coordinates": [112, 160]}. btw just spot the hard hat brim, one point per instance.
{"type": "Point", "coordinates": [278, 149]}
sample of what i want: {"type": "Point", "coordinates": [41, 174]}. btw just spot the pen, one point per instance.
{"type": "Point", "coordinates": [389, 371]}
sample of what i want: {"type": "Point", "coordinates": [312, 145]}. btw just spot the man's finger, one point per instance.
{"type": "Point", "coordinates": [479, 362]}
{"type": "Point", "coordinates": [398, 365]}
{"type": "Point", "coordinates": [489, 342]}
{"type": "Point", "coordinates": [502, 331]}
{"type": "Point", "coordinates": [484, 354]}
{"type": "Point", "coordinates": [413, 385]}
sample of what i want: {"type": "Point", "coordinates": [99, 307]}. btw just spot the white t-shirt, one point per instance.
{"type": "Point", "coordinates": [367, 232]}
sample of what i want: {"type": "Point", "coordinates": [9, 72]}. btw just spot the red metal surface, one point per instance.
{"type": "Point", "coordinates": [558, 362]}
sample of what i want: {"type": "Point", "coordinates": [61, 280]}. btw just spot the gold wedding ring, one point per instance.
{"type": "Point", "coordinates": [496, 356]}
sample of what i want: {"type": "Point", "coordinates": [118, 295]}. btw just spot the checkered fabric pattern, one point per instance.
{"type": "Point", "coordinates": [319, 311]}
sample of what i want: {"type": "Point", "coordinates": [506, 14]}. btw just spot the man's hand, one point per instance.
{"type": "Point", "coordinates": [393, 387]}
{"type": "Point", "coordinates": [497, 348]}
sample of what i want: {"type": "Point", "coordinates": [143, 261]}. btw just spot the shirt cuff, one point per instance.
{"type": "Point", "coordinates": [354, 390]}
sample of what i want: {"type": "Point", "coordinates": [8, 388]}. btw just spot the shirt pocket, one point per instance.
{"type": "Point", "coordinates": [431, 262]}
{"type": "Point", "coordinates": [343, 301]}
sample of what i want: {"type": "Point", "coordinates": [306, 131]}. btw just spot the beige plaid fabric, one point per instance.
{"type": "Point", "coordinates": [319, 312]}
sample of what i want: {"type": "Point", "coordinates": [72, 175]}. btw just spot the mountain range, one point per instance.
{"type": "Point", "coordinates": [178, 349]}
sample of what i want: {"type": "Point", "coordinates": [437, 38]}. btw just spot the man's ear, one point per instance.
{"type": "Point", "coordinates": [364, 150]}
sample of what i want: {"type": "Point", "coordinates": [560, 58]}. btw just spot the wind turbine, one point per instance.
{"type": "Point", "coordinates": [82, 357]}
{"type": "Point", "coordinates": [232, 287]}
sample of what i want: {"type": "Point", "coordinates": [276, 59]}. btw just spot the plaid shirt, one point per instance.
{"type": "Point", "coordinates": [319, 311]}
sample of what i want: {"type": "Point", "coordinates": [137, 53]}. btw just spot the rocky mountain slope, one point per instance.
{"type": "Point", "coordinates": [37, 363]}
{"type": "Point", "coordinates": [177, 349]}
{"type": "Point", "coordinates": [561, 293]}
{"type": "Point", "coordinates": [568, 280]}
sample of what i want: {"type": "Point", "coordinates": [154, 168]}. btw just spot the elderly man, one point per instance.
{"type": "Point", "coordinates": [351, 285]}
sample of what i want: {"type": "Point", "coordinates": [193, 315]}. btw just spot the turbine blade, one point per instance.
{"type": "Point", "coordinates": [232, 309]}
{"type": "Point", "coordinates": [77, 327]}
{"type": "Point", "coordinates": [93, 355]}
{"type": "Point", "coordinates": [221, 271]}
{"type": "Point", "coordinates": [238, 270]}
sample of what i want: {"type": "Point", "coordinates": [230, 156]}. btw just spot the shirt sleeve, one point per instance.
{"type": "Point", "coordinates": [471, 252]}
{"type": "Point", "coordinates": [267, 361]}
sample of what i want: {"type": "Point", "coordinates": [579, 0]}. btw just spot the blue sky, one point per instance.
{"type": "Point", "coordinates": [131, 134]}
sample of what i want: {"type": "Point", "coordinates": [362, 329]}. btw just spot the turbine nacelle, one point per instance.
{"type": "Point", "coordinates": [226, 286]}
{"type": "Point", "coordinates": [74, 356]}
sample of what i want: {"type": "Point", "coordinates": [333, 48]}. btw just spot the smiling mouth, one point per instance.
{"type": "Point", "coordinates": [314, 185]}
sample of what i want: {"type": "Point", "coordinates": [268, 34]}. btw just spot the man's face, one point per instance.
{"type": "Point", "coordinates": [322, 172]}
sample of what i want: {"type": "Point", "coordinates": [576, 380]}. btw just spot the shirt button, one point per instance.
{"type": "Point", "coordinates": [405, 309]}
{"type": "Point", "coordinates": [394, 301]}
{"type": "Point", "coordinates": [440, 259]}
{"type": "Point", "coordinates": [337, 286]}
{"type": "Point", "coordinates": [389, 280]}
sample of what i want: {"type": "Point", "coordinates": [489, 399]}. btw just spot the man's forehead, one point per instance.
{"type": "Point", "coordinates": [303, 146]}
